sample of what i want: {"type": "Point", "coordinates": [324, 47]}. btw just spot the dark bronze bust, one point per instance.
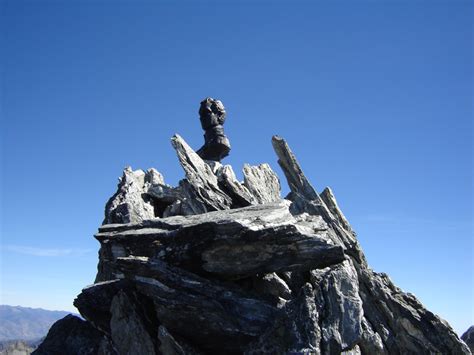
{"type": "Point", "coordinates": [216, 144]}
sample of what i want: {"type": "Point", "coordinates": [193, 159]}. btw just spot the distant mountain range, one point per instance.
{"type": "Point", "coordinates": [18, 347]}
{"type": "Point", "coordinates": [23, 323]}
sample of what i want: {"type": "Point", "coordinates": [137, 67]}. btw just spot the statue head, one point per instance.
{"type": "Point", "coordinates": [212, 108]}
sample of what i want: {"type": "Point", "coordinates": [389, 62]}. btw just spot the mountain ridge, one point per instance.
{"type": "Point", "coordinates": [26, 323]}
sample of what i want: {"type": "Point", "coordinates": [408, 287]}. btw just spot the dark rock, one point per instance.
{"type": "Point", "coordinates": [163, 197]}
{"type": "Point", "coordinates": [295, 331]}
{"type": "Point", "coordinates": [401, 320]}
{"type": "Point", "coordinates": [272, 285]}
{"type": "Point", "coordinates": [468, 338]}
{"type": "Point", "coordinates": [169, 345]}
{"type": "Point", "coordinates": [186, 304]}
{"type": "Point", "coordinates": [94, 302]}
{"type": "Point", "coordinates": [72, 335]}
{"type": "Point", "coordinates": [129, 330]}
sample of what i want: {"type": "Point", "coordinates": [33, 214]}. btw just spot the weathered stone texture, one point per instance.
{"type": "Point", "coordinates": [218, 266]}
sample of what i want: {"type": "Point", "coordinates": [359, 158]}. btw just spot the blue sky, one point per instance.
{"type": "Point", "coordinates": [374, 97]}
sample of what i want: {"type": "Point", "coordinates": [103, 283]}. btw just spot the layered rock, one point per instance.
{"type": "Point", "coordinates": [230, 244]}
{"type": "Point", "coordinates": [221, 266]}
{"type": "Point", "coordinates": [130, 203]}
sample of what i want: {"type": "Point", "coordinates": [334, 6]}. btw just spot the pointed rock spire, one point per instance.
{"type": "Point", "coordinates": [201, 186]}
{"type": "Point", "coordinates": [328, 197]}
{"type": "Point", "coordinates": [297, 181]}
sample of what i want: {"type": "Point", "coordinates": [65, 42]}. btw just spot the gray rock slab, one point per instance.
{"type": "Point", "coordinates": [230, 244]}
{"type": "Point", "coordinates": [402, 322]}
{"type": "Point", "coordinates": [341, 309]}
{"type": "Point", "coordinates": [262, 183]}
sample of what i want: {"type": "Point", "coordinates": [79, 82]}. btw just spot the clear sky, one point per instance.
{"type": "Point", "coordinates": [374, 98]}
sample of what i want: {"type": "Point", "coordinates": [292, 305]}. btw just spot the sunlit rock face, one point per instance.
{"type": "Point", "coordinates": [219, 266]}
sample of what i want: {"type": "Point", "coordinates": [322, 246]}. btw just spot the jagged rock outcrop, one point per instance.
{"type": "Point", "coordinates": [130, 203]}
{"type": "Point", "coordinates": [468, 337]}
{"type": "Point", "coordinates": [220, 266]}
{"type": "Point", "coordinates": [239, 193]}
{"type": "Point", "coordinates": [262, 183]}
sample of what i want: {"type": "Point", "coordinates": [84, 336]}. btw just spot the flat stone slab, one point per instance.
{"type": "Point", "coordinates": [231, 243]}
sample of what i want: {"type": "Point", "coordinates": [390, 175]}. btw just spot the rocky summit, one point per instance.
{"type": "Point", "coordinates": [220, 266]}
{"type": "Point", "coordinates": [468, 337]}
